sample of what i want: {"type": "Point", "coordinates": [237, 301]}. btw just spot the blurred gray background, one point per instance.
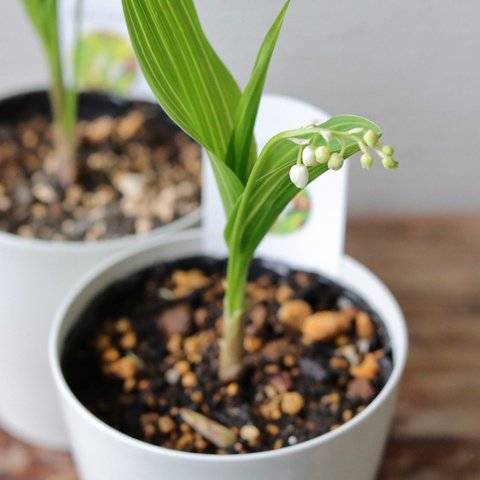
{"type": "Point", "coordinates": [412, 66]}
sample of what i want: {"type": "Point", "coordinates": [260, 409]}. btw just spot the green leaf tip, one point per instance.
{"type": "Point", "coordinates": [241, 151]}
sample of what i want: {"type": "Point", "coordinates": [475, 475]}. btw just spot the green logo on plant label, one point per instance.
{"type": "Point", "coordinates": [294, 216]}
{"type": "Point", "coordinates": [106, 62]}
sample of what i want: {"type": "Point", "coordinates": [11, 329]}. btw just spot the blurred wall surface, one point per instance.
{"type": "Point", "coordinates": [412, 66]}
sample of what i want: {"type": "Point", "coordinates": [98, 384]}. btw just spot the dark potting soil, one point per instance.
{"type": "Point", "coordinates": [143, 358]}
{"type": "Point", "coordinates": [136, 172]}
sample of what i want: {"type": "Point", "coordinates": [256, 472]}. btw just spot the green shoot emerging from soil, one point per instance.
{"type": "Point", "coordinates": [44, 17]}
{"type": "Point", "coordinates": [199, 93]}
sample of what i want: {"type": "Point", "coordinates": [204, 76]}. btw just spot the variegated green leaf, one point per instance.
{"type": "Point", "coordinates": [188, 78]}
{"type": "Point", "coordinates": [228, 183]}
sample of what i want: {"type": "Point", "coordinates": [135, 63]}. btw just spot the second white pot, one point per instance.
{"type": "Point", "coordinates": [353, 451]}
{"type": "Point", "coordinates": [35, 275]}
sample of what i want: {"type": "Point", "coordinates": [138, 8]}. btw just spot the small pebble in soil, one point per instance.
{"type": "Point", "coordinates": [250, 433]}
{"type": "Point", "coordinates": [292, 403]}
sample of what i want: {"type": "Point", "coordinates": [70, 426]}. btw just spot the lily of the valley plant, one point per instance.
{"type": "Point", "coordinates": [199, 93]}
{"type": "Point", "coordinates": [63, 98]}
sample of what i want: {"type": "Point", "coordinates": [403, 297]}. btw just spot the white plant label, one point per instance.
{"type": "Point", "coordinates": [107, 59]}
{"type": "Point", "coordinates": [310, 232]}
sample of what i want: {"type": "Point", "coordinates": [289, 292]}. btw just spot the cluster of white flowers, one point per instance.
{"type": "Point", "coordinates": [311, 155]}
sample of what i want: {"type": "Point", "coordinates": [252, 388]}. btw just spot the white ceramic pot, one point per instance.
{"type": "Point", "coordinates": [35, 275]}
{"type": "Point", "coordinates": [353, 451]}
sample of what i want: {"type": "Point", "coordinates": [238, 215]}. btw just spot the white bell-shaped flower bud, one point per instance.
{"type": "Point", "coordinates": [299, 176]}
{"type": "Point", "coordinates": [388, 150]}
{"type": "Point", "coordinates": [322, 154]}
{"type": "Point", "coordinates": [366, 160]}
{"type": "Point", "coordinates": [370, 138]}
{"type": "Point", "coordinates": [336, 161]}
{"type": "Point", "coordinates": [308, 156]}
{"type": "Point", "coordinates": [389, 163]}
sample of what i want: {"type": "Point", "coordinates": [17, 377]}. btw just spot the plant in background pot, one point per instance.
{"type": "Point", "coordinates": [63, 99]}
{"type": "Point", "coordinates": [163, 355]}
{"type": "Point", "coordinates": [81, 176]}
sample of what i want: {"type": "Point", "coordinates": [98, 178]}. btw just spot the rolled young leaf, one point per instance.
{"type": "Point", "coordinates": [242, 151]}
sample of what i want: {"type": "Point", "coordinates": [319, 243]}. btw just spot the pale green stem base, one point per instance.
{"type": "Point", "coordinates": [231, 344]}
{"type": "Point", "coordinates": [65, 155]}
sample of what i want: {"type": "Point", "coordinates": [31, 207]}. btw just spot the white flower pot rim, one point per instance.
{"type": "Point", "coordinates": [400, 356]}
{"type": "Point", "coordinates": [71, 246]}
